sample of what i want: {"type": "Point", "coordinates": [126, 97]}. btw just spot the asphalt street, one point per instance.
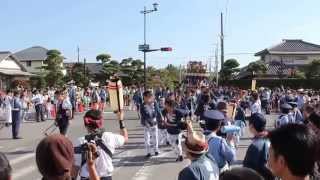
{"type": "Point", "coordinates": [129, 160]}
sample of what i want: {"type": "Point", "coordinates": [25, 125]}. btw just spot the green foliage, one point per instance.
{"type": "Point", "coordinates": [38, 81]}
{"type": "Point", "coordinates": [168, 77]}
{"type": "Point", "coordinates": [133, 71]}
{"type": "Point", "coordinates": [53, 68]}
{"type": "Point", "coordinates": [76, 73]}
{"type": "Point", "coordinates": [313, 70]}
{"type": "Point", "coordinates": [104, 58]}
{"type": "Point", "coordinates": [230, 67]}
{"type": "Point", "coordinates": [299, 75]}
{"type": "Point", "coordinates": [257, 67]}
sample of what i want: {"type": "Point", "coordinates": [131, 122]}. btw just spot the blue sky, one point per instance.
{"type": "Point", "coordinates": [191, 27]}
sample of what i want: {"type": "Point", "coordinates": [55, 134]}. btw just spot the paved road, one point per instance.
{"type": "Point", "coordinates": [129, 161]}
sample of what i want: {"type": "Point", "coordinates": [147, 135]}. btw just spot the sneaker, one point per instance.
{"type": "Point", "coordinates": [156, 153]}
{"type": "Point", "coordinates": [148, 155]}
{"type": "Point", "coordinates": [179, 159]}
{"type": "Point", "coordinates": [17, 137]}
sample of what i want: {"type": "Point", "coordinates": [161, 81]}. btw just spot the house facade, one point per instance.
{"type": "Point", "coordinates": [286, 58]}
{"type": "Point", "coordinates": [32, 58]}
{"type": "Point", "coordinates": [11, 70]}
{"type": "Point", "coordinates": [291, 52]}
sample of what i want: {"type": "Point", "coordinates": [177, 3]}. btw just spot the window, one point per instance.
{"type": "Point", "coordinates": [28, 63]}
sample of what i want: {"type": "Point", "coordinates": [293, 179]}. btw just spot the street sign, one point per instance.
{"type": "Point", "coordinates": [144, 47]}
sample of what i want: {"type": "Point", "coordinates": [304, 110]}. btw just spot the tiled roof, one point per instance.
{"type": "Point", "coordinates": [34, 53]}
{"type": "Point", "coordinates": [94, 68]}
{"type": "Point", "coordinates": [292, 46]}
{"type": "Point", "coordinates": [4, 54]}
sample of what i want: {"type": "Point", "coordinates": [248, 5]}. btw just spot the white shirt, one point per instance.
{"type": "Point", "coordinates": [256, 107]}
{"type": "Point", "coordinates": [37, 99]}
{"type": "Point", "coordinates": [103, 164]}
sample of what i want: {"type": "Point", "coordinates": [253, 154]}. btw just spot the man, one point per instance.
{"type": "Point", "coordinates": [103, 98]}
{"type": "Point", "coordinates": [285, 117]}
{"type": "Point", "coordinates": [257, 154]}
{"type": "Point", "coordinates": [203, 165]}
{"type": "Point", "coordinates": [57, 150]}
{"type": "Point", "coordinates": [292, 152]}
{"type": "Point", "coordinates": [256, 104]}
{"type": "Point", "coordinates": [301, 99]}
{"type": "Point", "coordinates": [149, 122]}
{"type": "Point", "coordinates": [222, 150]}
{"type": "Point", "coordinates": [106, 143]}
{"type": "Point", "coordinates": [5, 168]}
{"type": "Point", "coordinates": [72, 92]}
{"type": "Point", "coordinates": [240, 174]}
{"type": "Point", "coordinates": [307, 111]}
{"type": "Point", "coordinates": [174, 122]}
{"type": "Point", "coordinates": [37, 100]}
{"type": "Point", "coordinates": [296, 113]}
{"type": "Point", "coordinates": [16, 115]}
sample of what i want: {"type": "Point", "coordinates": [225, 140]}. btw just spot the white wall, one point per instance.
{"type": "Point", "coordinates": [9, 64]}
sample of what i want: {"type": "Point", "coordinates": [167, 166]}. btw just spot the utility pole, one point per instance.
{"type": "Point", "coordinates": [84, 66]}
{"type": "Point", "coordinates": [78, 50]}
{"type": "Point", "coordinates": [216, 68]}
{"type": "Point", "coordinates": [222, 42]}
{"type": "Point", "coordinates": [145, 12]}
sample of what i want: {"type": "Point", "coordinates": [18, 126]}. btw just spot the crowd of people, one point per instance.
{"type": "Point", "coordinates": [202, 124]}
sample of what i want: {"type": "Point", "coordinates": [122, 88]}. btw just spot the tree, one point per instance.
{"type": "Point", "coordinates": [230, 67]}
{"type": "Point", "coordinates": [133, 71]}
{"type": "Point", "coordinates": [53, 68]}
{"type": "Point", "coordinates": [104, 58]}
{"type": "Point", "coordinates": [313, 70]}
{"type": "Point", "coordinates": [110, 67]}
{"type": "Point", "coordinates": [76, 73]}
{"type": "Point", "coordinates": [257, 67]}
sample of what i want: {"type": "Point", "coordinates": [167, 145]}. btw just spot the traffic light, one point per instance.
{"type": "Point", "coordinates": [166, 49]}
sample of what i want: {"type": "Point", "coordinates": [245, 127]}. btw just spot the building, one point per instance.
{"type": "Point", "coordinates": [285, 58]}
{"type": "Point", "coordinates": [94, 69]}
{"type": "Point", "coordinates": [32, 58]}
{"type": "Point", "coordinates": [11, 70]}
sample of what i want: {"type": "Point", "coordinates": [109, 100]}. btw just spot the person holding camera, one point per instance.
{"type": "Point", "coordinates": [106, 143]}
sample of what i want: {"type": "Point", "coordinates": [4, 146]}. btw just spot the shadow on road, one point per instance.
{"type": "Point", "coordinates": [18, 152]}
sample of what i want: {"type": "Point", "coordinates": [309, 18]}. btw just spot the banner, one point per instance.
{"type": "Point", "coordinates": [253, 84]}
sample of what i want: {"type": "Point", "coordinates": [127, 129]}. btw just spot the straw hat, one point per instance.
{"type": "Point", "coordinates": [195, 143]}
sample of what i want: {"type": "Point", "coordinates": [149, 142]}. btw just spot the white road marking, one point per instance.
{"type": "Point", "coordinates": [21, 158]}
{"type": "Point", "coordinates": [22, 172]}
{"type": "Point", "coordinates": [145, 172]}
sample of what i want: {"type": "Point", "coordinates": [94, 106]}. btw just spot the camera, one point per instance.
{"type": "Point", "coordinates": [94, 138]}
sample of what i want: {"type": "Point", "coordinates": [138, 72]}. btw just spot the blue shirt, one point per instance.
{"type": "Point", "coordinates": [202, 168]}
{"type": "Point", "coordinates": [220, 150]}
